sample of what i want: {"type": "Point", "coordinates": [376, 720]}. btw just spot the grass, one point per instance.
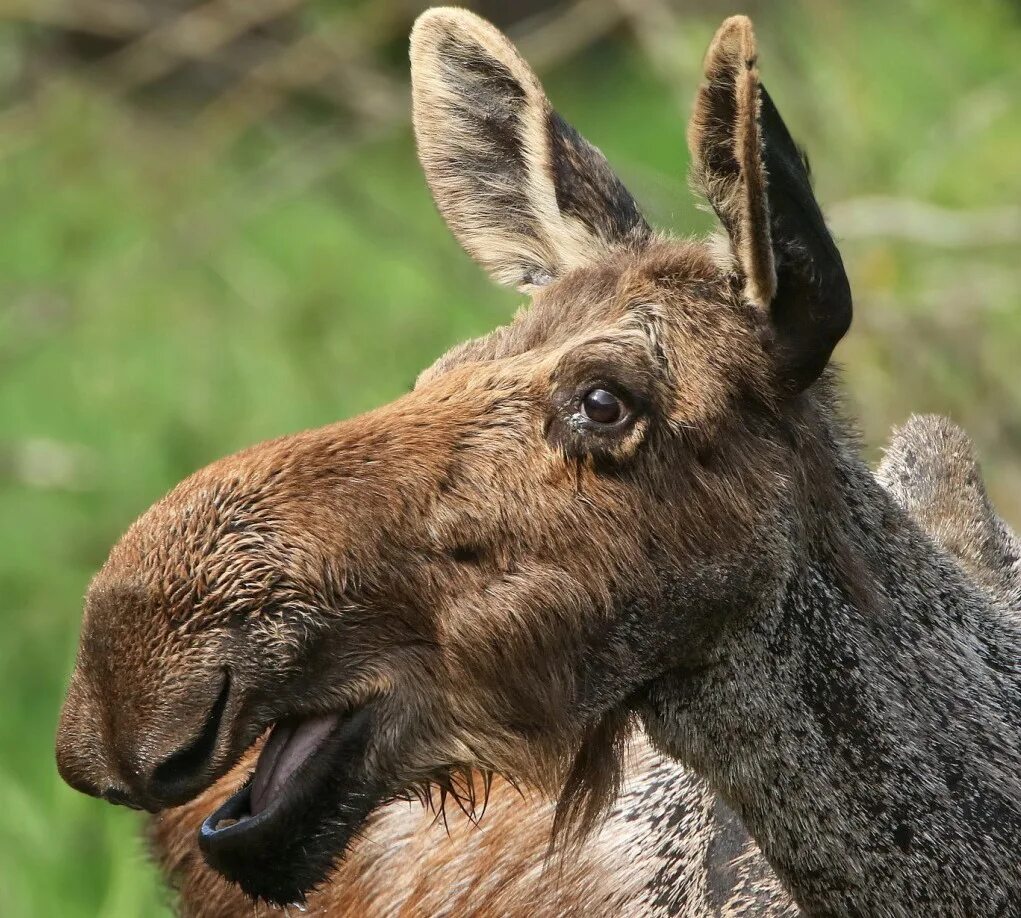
{"type": "Point", "coordinates": [164, 302]}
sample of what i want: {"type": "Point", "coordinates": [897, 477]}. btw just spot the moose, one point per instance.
{"type": "Point", "coordinates": [638, 502]}
{"type": "Point", "coordinates": [667, 846]}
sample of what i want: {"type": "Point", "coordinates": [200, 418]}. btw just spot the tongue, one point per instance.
{"type": "Point", "coordinates": [287, 749]}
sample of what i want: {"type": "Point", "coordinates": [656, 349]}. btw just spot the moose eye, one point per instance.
{"type": "Point", "coordinates": [600, 406]}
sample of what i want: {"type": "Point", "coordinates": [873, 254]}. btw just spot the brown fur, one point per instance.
{"type": "Point", "coordinates": [276, 528]}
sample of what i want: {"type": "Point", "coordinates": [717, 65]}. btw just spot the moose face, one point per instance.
{"type": "Point", "coordinates": [486, 572]}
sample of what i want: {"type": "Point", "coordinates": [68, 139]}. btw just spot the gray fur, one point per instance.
{"type": "Point", "coordinates": [873, 752]}
{"type": "Point", "coordinates": [712, 867]}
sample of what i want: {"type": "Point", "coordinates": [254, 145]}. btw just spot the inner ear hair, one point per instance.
{"type": "Point", "coordinates": [726, 147]}
{"type": "Point", "coordinates": [756, 179]}
{"type": "Point", "coordinates": [523, 192]}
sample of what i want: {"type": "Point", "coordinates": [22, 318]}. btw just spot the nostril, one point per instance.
{"type": "Point", "coordinates": [119, 797]}
{"type": "Point", "coordinates": [184, 773]}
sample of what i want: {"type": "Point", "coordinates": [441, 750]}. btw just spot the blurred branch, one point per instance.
{"type": "Point", "coordinates": [305, 162]}
{"type": "Point", "coordinates": [104, 18]}
{"type": "Point", "coordinates": [47, 464]}
{"type": "Point", "coordinates": [674, 52]}
{"type": "Point", "coordinates": [924, 223]}
{"type": "Point", "coordinates": [195, 34]}
{"type": "Point", "coordinates": [559, 35]}
{"type": "Point", "coordinates": [339, 47]}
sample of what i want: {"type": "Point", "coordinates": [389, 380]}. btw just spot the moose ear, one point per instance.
{"type": "Point", "coordinates": [522, 191]}
{"type": "Point", "coordinates": [757, 181]}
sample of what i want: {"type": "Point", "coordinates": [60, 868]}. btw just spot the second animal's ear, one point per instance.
{"type": "Point", "coordinates": [522, 191]}
{"type": "Point", "coordinates": [757, 181]}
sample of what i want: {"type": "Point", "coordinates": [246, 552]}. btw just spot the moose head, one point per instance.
{"type": "Point", "coordinates": [487, 572]}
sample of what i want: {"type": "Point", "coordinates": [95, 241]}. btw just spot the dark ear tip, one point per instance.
{"type": "Point", "coordinates": [732, 48]}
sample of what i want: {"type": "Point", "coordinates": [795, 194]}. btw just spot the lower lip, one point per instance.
{"type": "Point", "coordinates": [268, 853]}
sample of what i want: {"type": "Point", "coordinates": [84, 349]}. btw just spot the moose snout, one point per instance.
{"type": "Point", "coordinates": [144, 762]}
{"type": "Point", "coordinates": [81, 757]}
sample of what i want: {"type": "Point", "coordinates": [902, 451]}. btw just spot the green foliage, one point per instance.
{"type": "Point", "coordinates": [166, 298]}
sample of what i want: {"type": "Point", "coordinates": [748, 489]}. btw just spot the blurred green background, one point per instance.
{"type": "Point", "coordinates": [214, 231]}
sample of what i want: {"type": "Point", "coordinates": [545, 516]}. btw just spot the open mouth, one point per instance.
{"type": "Point", "coordinates": [281, 833]}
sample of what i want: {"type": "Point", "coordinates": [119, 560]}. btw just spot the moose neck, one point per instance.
{"type": "Point", "coordinates": [865, 727]}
